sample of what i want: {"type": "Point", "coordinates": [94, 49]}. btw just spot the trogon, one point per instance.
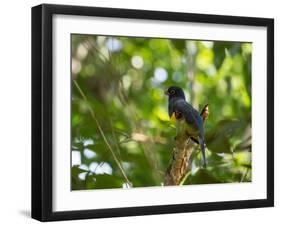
{"type": "Point", "coordinates": [181, 111]}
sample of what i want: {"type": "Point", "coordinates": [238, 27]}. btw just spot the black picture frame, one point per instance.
{"type": "Point", "coordinates": [42, 107]}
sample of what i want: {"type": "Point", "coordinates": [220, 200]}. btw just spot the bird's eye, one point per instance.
{"type": "Point", "coordinates": [172, 92]}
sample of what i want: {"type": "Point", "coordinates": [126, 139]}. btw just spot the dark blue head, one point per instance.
{"type": "Point", "coordinates": [175, 91]}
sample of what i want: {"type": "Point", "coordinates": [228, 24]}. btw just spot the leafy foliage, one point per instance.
{"type": "Point", "coordinates": [123, 82]}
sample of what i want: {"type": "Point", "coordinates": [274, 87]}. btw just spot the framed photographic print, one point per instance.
{"type": "Point", "coordinates": [145, 112]}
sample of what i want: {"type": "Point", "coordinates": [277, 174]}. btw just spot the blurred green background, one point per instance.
{"type": "Point", "coordinates": [121, 133]}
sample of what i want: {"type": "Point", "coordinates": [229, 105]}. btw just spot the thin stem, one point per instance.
{"type": "Point", "coordinates": [101, 132]}
{"type": "Point", "coordinates": [245, 175]}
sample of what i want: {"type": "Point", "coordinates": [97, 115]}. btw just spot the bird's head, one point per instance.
{"type": "Point", "coordinates": [175, 91]}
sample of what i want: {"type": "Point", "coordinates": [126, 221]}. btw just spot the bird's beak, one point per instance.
{"type": "Point", "coordinates": [167, 93]}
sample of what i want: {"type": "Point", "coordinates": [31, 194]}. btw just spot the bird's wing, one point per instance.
{"type": "Point", "coordinates": [191, 116]}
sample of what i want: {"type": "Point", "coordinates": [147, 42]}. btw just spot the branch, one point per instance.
{"type": "Point", "coordinates": [181, 161]}
{"type": "Point", "coordinates": [205, 112]}
{"type": "Point", "coordinates": [182, 156]}
{"type": "Point", "coordinates": [140, 137]}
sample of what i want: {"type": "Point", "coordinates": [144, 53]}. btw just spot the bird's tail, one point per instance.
{"type": "Point", "coordinates": [202, 147]}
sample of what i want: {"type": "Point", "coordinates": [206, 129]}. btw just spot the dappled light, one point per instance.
{"type": "Point", "coordinates": [122, 136]}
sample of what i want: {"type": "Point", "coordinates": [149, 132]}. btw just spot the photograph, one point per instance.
{"type": "Point", "coordinates": [149, 111]}
{"type": "Point", "coordinates": [141, 112]}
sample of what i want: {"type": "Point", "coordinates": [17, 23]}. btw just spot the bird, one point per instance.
{"type": "Point", "coordinates": [181, 111]}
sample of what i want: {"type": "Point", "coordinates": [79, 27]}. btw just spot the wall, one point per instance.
{"type": "Point", "coordinates": [15, 111]}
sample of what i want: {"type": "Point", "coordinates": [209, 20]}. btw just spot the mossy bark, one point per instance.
{"type": "Point", "coordinates": [182, 157]}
